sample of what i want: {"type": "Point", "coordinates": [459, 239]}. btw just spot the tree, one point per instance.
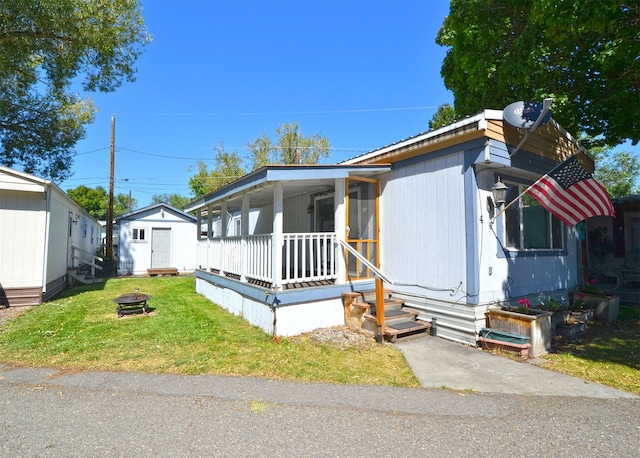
{"type": "Point", "coordinates": [228, 168]}
{"type": "Point", "coordinates": [617, 171]}
{"type": "Point", "coordinates": [294, 148]}
{"type": "Point", "coordinates": [582, 53]}
{"type": "Point", "coordinates": [44, 47]}
{"type": "Point", "coordinates": [444, 116]}
{"type": "Point", "coordinates": [175, 200]}
{"type": "Point", "coordinates": [96, 201]}
{"type": "Point", "coordinates": [261, 150]}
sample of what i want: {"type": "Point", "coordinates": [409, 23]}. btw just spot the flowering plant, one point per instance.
{"type": "Point", "coordinates": [591, 287]}
{"type": "Point", "coordinates": [524, 305]}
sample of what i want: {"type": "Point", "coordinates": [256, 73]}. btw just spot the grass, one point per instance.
{"type": "Point", "coordinates": [187, 334]}
{"type": "Point", "coordinates": [184, 333]}
{"type": "Point", "coordinates": [607, 354]}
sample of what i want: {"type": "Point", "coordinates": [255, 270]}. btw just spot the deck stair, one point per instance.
{"type": "Point", "coordinates": [83, 275]}
{"type": "Point", "coordinates": [399, 320]}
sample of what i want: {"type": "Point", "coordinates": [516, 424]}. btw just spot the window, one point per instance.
{"type": "Point", "coordinates": [529, 226]}
{"type": "Point", "coordinates": [138, 234]}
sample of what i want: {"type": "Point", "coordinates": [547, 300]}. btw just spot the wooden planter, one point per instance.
{"type": "Point", "coordinates": [605, 308]}
{"type": "Point", "coordinates": [536, 325]}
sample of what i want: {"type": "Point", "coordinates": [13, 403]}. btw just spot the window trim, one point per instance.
{"type": "Point", "coordinates": [511, 252]}
{"type": "Point", "coordinates": [136, 231]}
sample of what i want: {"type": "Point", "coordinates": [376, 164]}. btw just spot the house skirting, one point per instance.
{"type": "Point", "coordinates": [283, 313]}
{"type": "Point", "coordinates": [16, 297]}
{"type": "Point", "coordinates": [55, 287]}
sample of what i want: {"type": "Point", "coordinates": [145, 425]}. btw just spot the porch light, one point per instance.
{"type": "Point", "coordinates": [310, 209]}
{"type": "Point", "coordinates": [499, 191]}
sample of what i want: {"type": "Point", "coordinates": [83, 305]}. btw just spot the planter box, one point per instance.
{"type": "Point", "coordinates": [536, 326]}
{"type": "Point", "coordinates": [572, 330]}
{"type": "Point", "coordinates": [492, 339]}
{"type": "Point", "coordinates": [605, 308]}
{"type": "Point", "coordinates": [558, 317]}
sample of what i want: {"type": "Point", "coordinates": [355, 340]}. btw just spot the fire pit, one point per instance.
{"type": "Point", "coordinates": [131, 300]}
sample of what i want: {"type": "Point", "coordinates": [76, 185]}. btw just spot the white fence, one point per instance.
{"type": "Point", "coordinates": [305, 257]}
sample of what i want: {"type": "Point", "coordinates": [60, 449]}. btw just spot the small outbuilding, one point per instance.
{"type": "Point", "coordinates": [44, 234]}
{"type": "Point", "coordinates": [157, 238]}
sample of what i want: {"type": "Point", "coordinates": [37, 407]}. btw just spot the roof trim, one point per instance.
{"type": "Point", "coordinates": [276, 173]}
{"type": "Point", "coordinates": [156, 206]}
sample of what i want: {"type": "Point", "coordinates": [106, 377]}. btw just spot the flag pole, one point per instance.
{"type": "Point", "coordinates": [525, 191]}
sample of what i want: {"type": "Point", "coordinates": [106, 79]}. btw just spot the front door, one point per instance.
{"type": "Point", "coordinates": [362, 225]}
{"type": "Point", "coordinates": [160, 248]}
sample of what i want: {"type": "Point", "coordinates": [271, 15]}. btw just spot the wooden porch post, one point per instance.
{"type": "Point", "coordinates": [276, 236]}
{"type": "Point", "coordinates": [244, 231]}
{"type": "Point", "coordinates": [379, 310]}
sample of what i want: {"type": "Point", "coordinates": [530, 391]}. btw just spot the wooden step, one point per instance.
{"type": "Point", "coordinates": [405, 328]}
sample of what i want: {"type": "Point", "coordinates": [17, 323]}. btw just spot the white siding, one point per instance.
{"type": "Point", "coordinates": [22, 235]}
{"type": "Point", "coordinates": [135, 256]}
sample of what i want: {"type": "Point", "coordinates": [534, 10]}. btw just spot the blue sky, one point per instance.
{"type": "Point", "coordinates": [364, 74]}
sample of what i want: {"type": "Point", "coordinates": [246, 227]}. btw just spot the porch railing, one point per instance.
{"type": "Point", "coordinates": [305, 257]}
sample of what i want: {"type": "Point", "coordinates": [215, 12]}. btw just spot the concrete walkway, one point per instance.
{"type": "Point", "coordinates": [439, 363]}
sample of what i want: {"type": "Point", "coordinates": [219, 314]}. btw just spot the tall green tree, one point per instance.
{"type": "Point", "coordinates": [45, 47]}
{"type": "Point", "coordinates": [227, 168]}
{"type": "Point", "coordinates": [294, 148]}
{"type": "Point", "coordinates": [617, 171]}
{"type": "Point", "coordinates": [290, 147]}
{"type": "Point", "coordinates": [175, 200]}
{"type": "Point", "coordinates": [262, 151]}
{"type": "Point", "coordinates": [95, 201]}
{"type": "Point", "coordinates": [582, 53]}
{"type": "Point", "coordinates": [444, 116]}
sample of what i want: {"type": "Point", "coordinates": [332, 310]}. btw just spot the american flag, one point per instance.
{"type": "Point", "coordinates": [571, 194]}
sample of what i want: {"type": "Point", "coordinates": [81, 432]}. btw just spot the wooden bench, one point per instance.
{"type": "Point", "coordinates": [162, 271]}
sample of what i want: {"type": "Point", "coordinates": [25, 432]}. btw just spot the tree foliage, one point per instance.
{"type": "Point", "coordinates": [175, 200]}
{"type": "Point", "coordinates": [291, 147]}
{"type": "Point", "coordinates": [45, 47]}
{"type": "Point", "coordinates": [96, 201]}
{"type": "Point", "coordinates": [444, 116]}
{"type": "Point", "coordinates": [617, 171]}
{"type": "Point", "coordinates": [227, 168]}
{"type": "Point", "coordinates": [582, 53]}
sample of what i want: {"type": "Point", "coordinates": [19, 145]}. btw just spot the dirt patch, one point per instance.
{"type": "Point", "coordinates": [9, 313]}
{"type": "Point", "coordinates": [338, 336]}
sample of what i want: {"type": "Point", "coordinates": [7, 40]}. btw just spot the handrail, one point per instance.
{"type": "Point", "coordinates": [365, 261]}
{"type": "Point", "coordinates": [86, 252]}
{"type": "Point", "coordinates": [92, 261]}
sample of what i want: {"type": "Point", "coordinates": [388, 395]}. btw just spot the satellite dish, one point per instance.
{"type": "Point", "coordinates": [525, 114]}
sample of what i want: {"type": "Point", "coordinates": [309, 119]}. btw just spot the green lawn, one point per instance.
{"type": "Point", "coordinates": [186, 334]}
{"type": "Point", "coordinates": [183, 333]}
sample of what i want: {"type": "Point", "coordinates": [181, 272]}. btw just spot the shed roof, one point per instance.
{"type": "Point", "coordinates": [162, 205]}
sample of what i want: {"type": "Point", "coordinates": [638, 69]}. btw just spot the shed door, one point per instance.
{"type": "Point", "coordinates": [160, 248]}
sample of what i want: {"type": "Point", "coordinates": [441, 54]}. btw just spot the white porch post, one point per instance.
{"type": "Point", "coordinates": [223, 218]}
{"type": "Point", "coordinates": [276, 236]}
{"type": "Point", "coordinates": [209, 235]}
{"type": "Point", "coordinates": [209, 221]}
{"type": "Point", "coordinates": [244, 231]}
{"type": "Point", "coordinates": [340, 219]}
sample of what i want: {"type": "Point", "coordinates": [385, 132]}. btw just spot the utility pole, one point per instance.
{"type": "Point", "coordinates": [110, 209]}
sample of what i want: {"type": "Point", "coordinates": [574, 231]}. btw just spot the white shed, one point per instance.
{"type": "Point", "coordinates": [156, 237]}
{"type": "Point", "coordinates": [41, 230]}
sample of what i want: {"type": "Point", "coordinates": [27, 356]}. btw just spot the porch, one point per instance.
{"type": "Point", "coordinates": [306, 259]}
{"type": "Point", "coordinates": [271, 245]}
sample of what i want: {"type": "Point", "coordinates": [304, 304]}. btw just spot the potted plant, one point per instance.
{"type": "Point", "coordinates": [605, 307]}
{"type": "Point", "coordinates": [524, 320]}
